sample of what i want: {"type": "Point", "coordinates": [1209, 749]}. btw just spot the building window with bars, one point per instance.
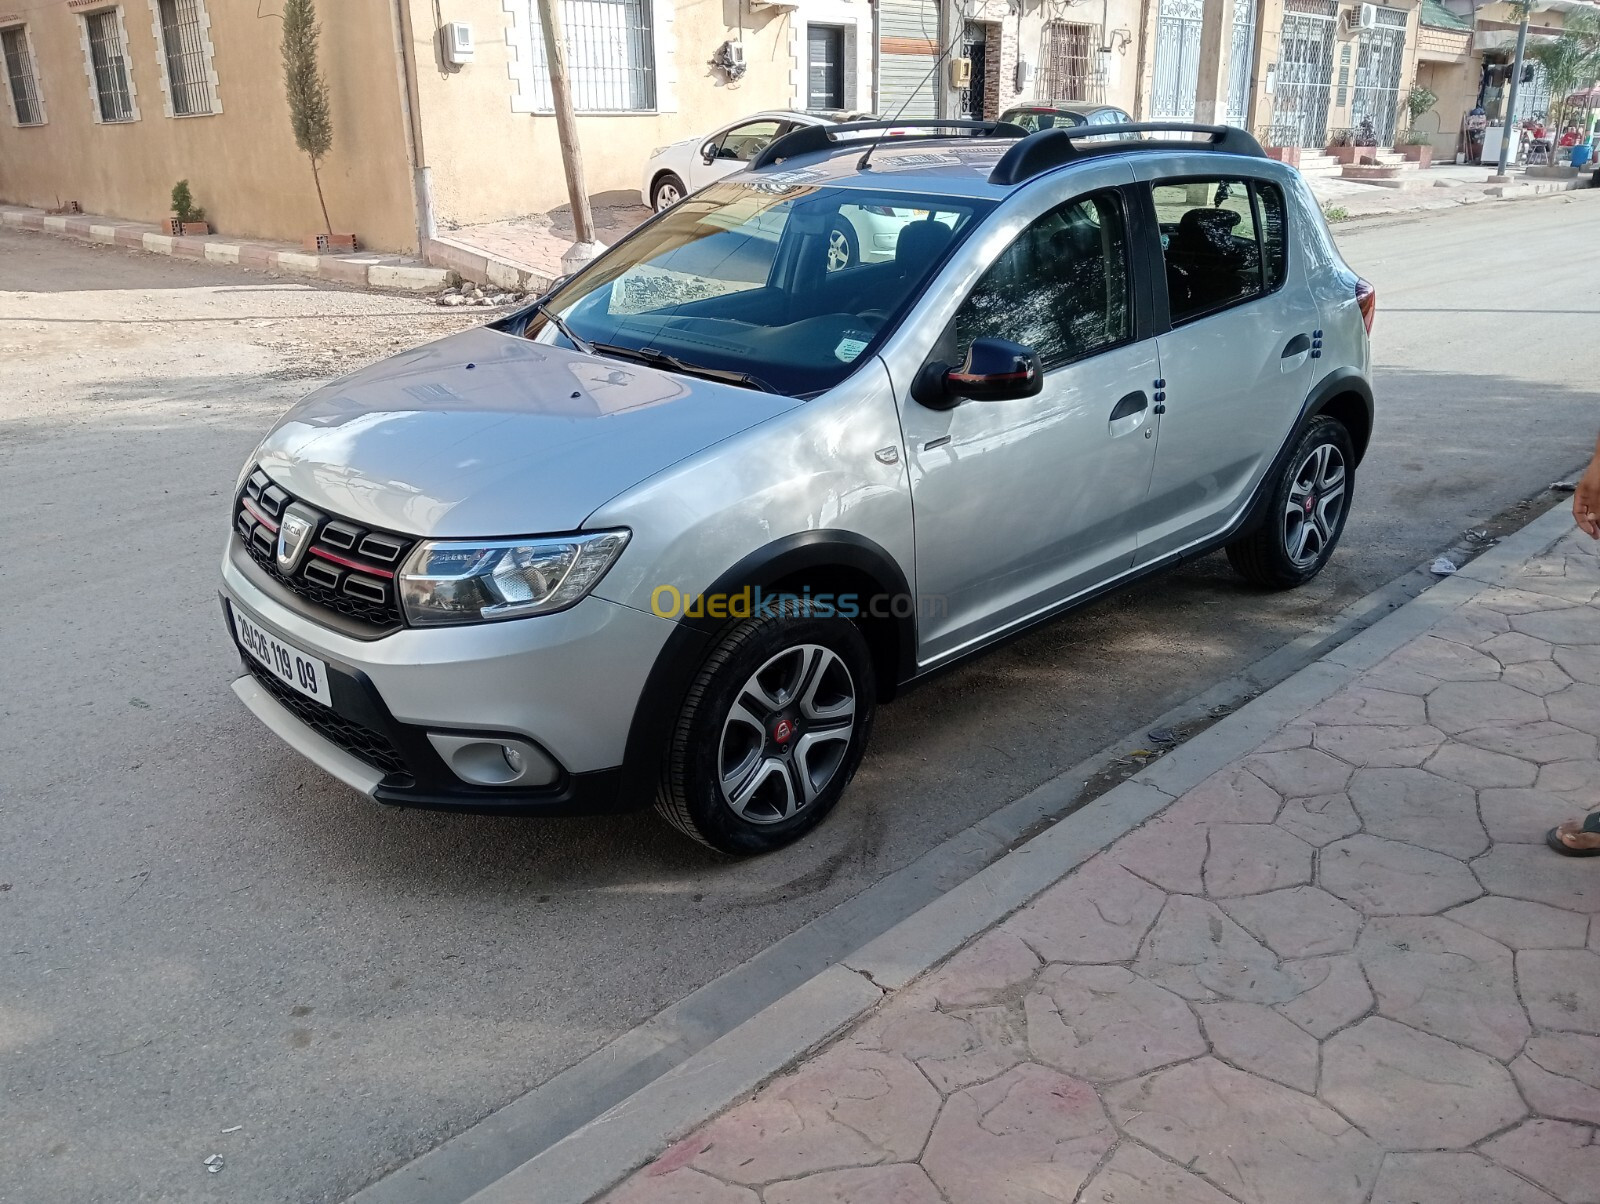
{"type": "Point", "coordinates": [181, 26]}
{"type": "Point", "coordinates": [108, 65]}
{"type": "Point", "coordinates": [611, 59]}
{"type": "Point", "coordinates": [1065, 58]}
{"type": "Point", "coordinates": [25, 106]}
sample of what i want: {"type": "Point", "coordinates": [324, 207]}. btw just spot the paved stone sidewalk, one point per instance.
{"type": "Point", "coordinates": [1342, 970]}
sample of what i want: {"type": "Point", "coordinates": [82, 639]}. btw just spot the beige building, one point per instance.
{"type": "Point", "coordinates": [111, 102]}
{"type": "Point", "coordinates": [441, 107]}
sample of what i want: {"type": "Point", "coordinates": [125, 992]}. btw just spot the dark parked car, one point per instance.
{"type": "Point", "coordinates": [1043, 117]}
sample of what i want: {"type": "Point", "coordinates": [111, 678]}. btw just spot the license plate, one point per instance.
{"type": "Point", "coordinates": [298, 670]}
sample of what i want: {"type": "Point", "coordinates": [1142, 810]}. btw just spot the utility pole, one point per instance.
{"type": "Point", "coordinates": [1507, 130]}
{"type": "Point", "coordinates": [555, 56]}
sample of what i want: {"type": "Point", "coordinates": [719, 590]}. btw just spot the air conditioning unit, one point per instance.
{"type": "Point", "coordinates": [960, 73]}
{"type": "Point", "coordinates": [1362, 16]}
{"type": "Point", "coordinates": [455, 43]}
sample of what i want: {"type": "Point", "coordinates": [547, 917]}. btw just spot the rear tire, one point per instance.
{"type": "Point", "coordinates": [770, 733]}
{"type": "Point", "coordinates": [1306, 511]}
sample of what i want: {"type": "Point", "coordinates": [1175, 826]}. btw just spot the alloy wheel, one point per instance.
{"type": "Point", "coordinates": [786, 734]}
{"type": "Point", "coordinates": [839, 254]}
{"type": "Point", "coordinates": [1316, 503]}
{"type": "Point", "coordinates": [667, 195]}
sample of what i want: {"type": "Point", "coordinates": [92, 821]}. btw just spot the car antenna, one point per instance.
{"type": "Point", "coordinates": [861, 163]}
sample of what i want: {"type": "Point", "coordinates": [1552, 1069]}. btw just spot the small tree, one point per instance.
{"type": "Point", "coordinates": [183, 206]}
{"type": "Point", "coordinates": [1570, 61]}
{"type": "Point", "coordinates": [1418, 101]}
{"type": "Point", "coordinates": [307, 90]}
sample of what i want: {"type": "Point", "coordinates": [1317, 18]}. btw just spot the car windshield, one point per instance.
{"type": "Point", "coordinates": [775, 286]}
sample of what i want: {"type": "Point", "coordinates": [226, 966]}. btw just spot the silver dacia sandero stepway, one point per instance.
{"type": "Point", "coordinates": [670, 534]}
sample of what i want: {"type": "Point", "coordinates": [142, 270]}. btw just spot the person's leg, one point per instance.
{"type": "Point", "coordinates": [1581, 837]}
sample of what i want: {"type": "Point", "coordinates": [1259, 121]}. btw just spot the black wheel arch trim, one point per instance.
{"type": "Point", "coordinates": [1341, 382]}
{"type": "Point", "coordinates": [690, 641]}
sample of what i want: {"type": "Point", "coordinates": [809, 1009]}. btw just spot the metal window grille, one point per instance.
{"type": "Point", "coordinates": [1241, 61]}
{"type": "Point", "coordinates": [19, 70]}
{"type": "Point", "coordinates": [610, 55]}
{"type": "Point", "coordinates": [110, 61]}
{"type": "Point", "coordinates": [1533, 97]}
{"type": "Point", "coordinates": [1065, 61]}
{"type": "Point", "coordinates": [188, 73]}
{"type": "Point", "coordinates": [1305, 73]}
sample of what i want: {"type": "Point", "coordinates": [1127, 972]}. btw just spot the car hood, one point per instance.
{"type": "Point", "coordinates": [487, 434]}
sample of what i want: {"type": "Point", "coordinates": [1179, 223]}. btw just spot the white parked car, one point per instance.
{"type": "Point", "coordinates": [862, 234]}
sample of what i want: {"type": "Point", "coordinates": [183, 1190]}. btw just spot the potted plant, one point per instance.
{"type": "Point", "coordinates": [1271, 136]}
{"type": "Point", "coordinates": [1342, 145]}
{"type": "Point", "coordinates": [188, 218]}
{"type": "Point", "coordinates": [1416, 145]}
{"type": "Point", "coordinates": [310, 114]}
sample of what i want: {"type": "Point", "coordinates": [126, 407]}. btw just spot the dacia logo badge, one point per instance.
{"type": "Point", "coordinates": [294, 536]}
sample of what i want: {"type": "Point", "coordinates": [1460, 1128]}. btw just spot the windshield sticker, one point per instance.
{"type": "Point", "coordinates": [849, 347]}
{"type": "Point", "coordinates": [924, 160]}
{"type": "Point", "coordinates": [793, 177]}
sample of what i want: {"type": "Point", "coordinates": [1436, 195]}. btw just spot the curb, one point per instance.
{"type": "Point", "coordinates": [1522, 191]}
{"type": "Point", "coordinates": [482, 267]}
{"type": "Point", "coordinates": [364, 269]}
{"type": "Point", "coordinates": [602, 1152]}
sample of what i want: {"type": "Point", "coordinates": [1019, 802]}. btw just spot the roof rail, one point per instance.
{"type": "Point", "coordinates": [810, 138]}
{"type": "Point", "coordinates": [1053, 147]}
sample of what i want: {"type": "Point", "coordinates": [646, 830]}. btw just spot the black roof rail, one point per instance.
{"type": "Point", "coordinates": [810, 138]}
{"type": "Point", "coordinates": [1047, 149]}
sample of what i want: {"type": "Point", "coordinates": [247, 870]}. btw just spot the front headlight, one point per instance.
{"type": "Point", "coordinates": [659, 151]}
{"type": "Point", "coordinates": [475, 581]}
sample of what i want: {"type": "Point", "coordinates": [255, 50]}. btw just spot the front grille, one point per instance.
{"type": "Point", "coordinates": [348, 567]}
{"type": "Point", "coordinates": [356, 739]}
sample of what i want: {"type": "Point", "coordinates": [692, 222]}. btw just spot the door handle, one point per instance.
{"type": "Point", "coordinates": [1130, 405]}
{"type": "Point", "coordinates": [1298, 345]}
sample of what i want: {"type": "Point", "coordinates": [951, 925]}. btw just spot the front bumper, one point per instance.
{"type": "Point", "coordinates": [569, 683]}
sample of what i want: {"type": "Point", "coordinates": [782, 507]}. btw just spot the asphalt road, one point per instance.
{"type": "Point", "coordinates": [200, 933]}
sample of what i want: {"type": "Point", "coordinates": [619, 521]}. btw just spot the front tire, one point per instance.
{"type": "Point", "coordinates": [666, 192]}
{"type": "Point", "coordinates": [844, 251]}
{"type": "Point", "coordinates": [770, 733]}
{"type": "Point", "coordinates": [1306, 513]}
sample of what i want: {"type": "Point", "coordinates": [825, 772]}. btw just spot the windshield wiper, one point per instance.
{"type": "Point", "coordinates": [556, 320]}
{"type": "Point", "coordinates": [663, 359]}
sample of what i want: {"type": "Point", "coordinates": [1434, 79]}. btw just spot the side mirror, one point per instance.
{"type": "Point", "coordinates": [708, 153]}
{"type": "Point", "coordinates": [994, 370]}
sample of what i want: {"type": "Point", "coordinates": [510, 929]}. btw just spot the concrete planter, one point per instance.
{"type": "Point", "coordinates": [1422, 156]}
{"type": "Point", "coordinates": [1369, 171]}
{"type": "Point", "coordinates": [1352, 154]}
{"type": "Point", "coordinates": [1289, 155]}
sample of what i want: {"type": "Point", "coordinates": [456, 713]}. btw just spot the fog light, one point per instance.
{"type": "Point", "coordinates": [487, 761]}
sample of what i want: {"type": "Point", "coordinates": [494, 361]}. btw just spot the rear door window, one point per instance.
{"type": "Point", "coordinates": [1223, 241]}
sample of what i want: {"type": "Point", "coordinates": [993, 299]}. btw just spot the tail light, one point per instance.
{"type": "Point", "coordinates": [1367, 301]}
{"type": "Point", "coordinates": [880, 210]}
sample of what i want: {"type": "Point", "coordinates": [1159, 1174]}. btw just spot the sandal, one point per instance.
{"type": "Point", "coordinates": [1590, 825]}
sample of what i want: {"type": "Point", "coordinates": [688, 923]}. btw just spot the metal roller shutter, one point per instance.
{"type": "Point", "coordinates": [908, 46]}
